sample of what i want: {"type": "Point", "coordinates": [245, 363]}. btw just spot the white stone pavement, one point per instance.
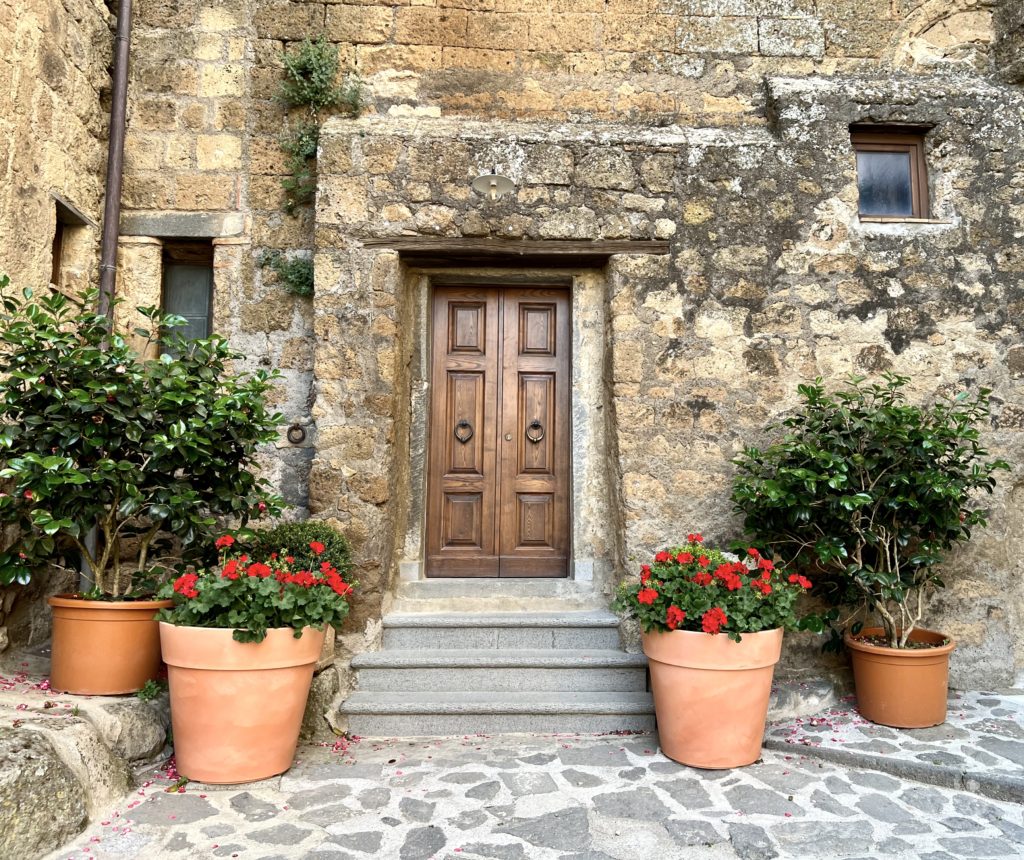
{"type": "Point", "coordinates": [569, 796]}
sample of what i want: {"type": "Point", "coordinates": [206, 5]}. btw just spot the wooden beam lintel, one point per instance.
{"type": "Point", "coordinates": [506, 249]}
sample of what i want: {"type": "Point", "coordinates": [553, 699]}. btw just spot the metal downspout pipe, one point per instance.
{"type": "Point", "coordinates": [115, 160]}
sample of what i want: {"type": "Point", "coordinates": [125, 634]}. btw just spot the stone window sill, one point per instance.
{"type": "Point", "coordinates": [881, 219]}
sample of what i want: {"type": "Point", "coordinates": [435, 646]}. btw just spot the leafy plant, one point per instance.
{"type": "Point", "coordinates": [254, 596]}
{"type": "Point", "coordinates": [295, 540]}
{"type": "Point", "coordinates": [300, 146]}
{"type": "Point", "coordinates": [294, 273]}
{"type": "Point", "coordinates": [311, 72]}
{"type": "Point", "coordinates": [869, 492]}
{"type": "Point", "coordinates": [151, 690]}
{"type": "Point", "coordinates": [696, 588]}
{"type": "Point", "coordinates": [147, 451]}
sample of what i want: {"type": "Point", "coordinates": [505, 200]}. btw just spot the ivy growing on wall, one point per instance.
{"type": "Point", "coordinates": [311, 82]}
{"type": "Point", "coordinates": [295, 274]}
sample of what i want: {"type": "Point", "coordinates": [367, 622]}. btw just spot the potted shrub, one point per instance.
{"type": "Point", "coordinates": [241, 642]}
{"type": "Point", "coordinates": [712, 632]}
{"type": "Point", "coordinates": [143, 454]}
{"type": "Point", "coordinates": [869, 492]}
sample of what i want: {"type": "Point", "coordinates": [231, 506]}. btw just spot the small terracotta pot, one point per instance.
{"type": "Point", "coordinates": [236, 707]}
{"type": "Point", "coordinates": [711, 694]}
{"type": "Point", "coordinates": [103, 648]}
{"type": "Point", "coordinates": [901, 687]}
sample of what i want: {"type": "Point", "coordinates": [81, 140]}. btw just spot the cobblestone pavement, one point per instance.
{"type": "Point", "coordinates": [586, 798]}
{"type": "Point", "coordinates": [980, 747]}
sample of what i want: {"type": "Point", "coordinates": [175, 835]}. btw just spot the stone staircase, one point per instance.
{"type": "Point", "coordinates": [475, 670]}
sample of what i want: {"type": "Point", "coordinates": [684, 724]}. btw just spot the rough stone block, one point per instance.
{"type": "Point", "coordinates": [218, 152]}
{"type": "Point", "coordinates": [429, 26]}
{"type": "Point", "coordinates": [564, 31]}
{"type": "Point", "coordinates": [790, 37]}
{"type": "Point", "coordinates": [506, 31]}
{"type": "Point", "coordinates": [366, 25]}
{"type": "Point", "coordinates": [280, 19]}
{"type": "Point", "coordinates": [721, 35]}
{"type": "Point", "coordinates": [217, 79]}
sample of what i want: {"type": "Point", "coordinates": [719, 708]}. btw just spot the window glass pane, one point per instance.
{"type": "Point", "coordinates": [884, 182]}
{"type": "Point", "coordinates": [187, 292]}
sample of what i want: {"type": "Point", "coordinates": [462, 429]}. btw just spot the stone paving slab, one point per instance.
{"type": "Point", "coordinates": [980, 747]}
{"type": "Point", "coordinates": [553, 797]}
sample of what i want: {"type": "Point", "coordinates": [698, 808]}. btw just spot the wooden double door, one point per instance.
{"type": "Point", "coordinates": [498, 455]}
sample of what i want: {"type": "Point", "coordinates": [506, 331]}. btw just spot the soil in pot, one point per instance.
{"type": "Point", "coordinates": [104, 648]}
{"type": "Point", "coordinates": [901, 687]}
{"type": "Point", "coordinates": [236, 707]}
{"type": "Point", "coordinates": [711, 694]}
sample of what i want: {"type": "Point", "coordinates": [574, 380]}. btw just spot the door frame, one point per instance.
{"type": "Point", "coordinates": [500, 285]}
{"type": "Point", "coordinates": [594, 515]}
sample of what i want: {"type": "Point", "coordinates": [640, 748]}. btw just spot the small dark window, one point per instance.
{"type": "Point", "coordinates": [892, 175]}
{"type": "Point", "coordinates": [188, 286]}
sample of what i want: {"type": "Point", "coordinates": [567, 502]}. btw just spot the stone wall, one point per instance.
{"type": "Point", "coordinates": [772, 280]}
{"type": "Point", "coordinates": [54, 84]}
{"type": "Point", "coordinates": [717, 125]}
{"type": "Point", "coordinates": [54, 87]}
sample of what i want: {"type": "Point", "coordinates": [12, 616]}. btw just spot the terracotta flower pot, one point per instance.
{"type": "Point", "coordinates": [711, 694]}
{"type": "Point", "coordinates": [103, 648]}
{"type": "Point", "coordinates": [901, 687]}
{"type": "Point", "coordinates": [236, 707]}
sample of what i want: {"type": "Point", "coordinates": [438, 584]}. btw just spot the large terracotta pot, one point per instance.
{"type": "Point", "coordinates": [236, 707]}
{"type": "Point", "coordinates": [103, 648]}
{"type": "Point", "coordinates": [901, 687]}
{"type": "Point", "coordinates": [711, 694]}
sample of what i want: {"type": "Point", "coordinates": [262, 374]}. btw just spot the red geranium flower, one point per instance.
{"type": "Point", "coordinates": [753, 552]}
{"type": "Point", "coordinates": [185, 585]}
{"type": "Point", "coordinates": [703, 578]}
{"type": "Point", "coordinates": [761, 585]}
{"type": "Point", "coordinates": [645, 572]}
{"type": "Point", "coordinates": [684, 557]}
{"type": "Point", "coordinates": [712, 620]}
{"type": "Point", "coordinates": [703, 561]}
{"type": "Point", "coordinates": [224, 541]}
{"type": "Point", "coordinates": [695, 538]}
{"type": "Point", "coordinates": [647, 595]}
{"type": "Point", "coordinates": [663, 556]}
{"type": "Point", "coordinates": [316, 546]}
{"type": "Point", "coordinates": [674, 617]}
{"type": "Point", "coordinates": [230, 570]}
{"type": "Point", "coordinates": [258, 568]}
{"type": "Point", "coordinates": [766, 564]}
{"type": "Point", "coordinates": [802, 581]}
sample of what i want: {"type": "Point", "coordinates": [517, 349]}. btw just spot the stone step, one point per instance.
{"type": "Point", "coordinates": [411, 714]}
{"type": "Point", "coordinates": [497, 595]}
{"type": "Point", "coordinates": [540, 670]}
{"type": "Point", "coordinates": [501, 630]}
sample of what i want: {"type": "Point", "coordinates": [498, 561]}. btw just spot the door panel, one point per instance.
{"type": "Point", "coordinates": [498, 467]}
{"type": "Point", "coordinates": [462, 478]}
{"type": "Point", "coordinates": [533, 492]}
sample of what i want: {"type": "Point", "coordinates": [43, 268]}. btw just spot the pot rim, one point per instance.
{"type": "Point", "coordinates": [70, 601]}
{"type": "Point", "coordinates": [856, 644]}
{"type": "Point", "coordinates": [230, 629]}
{"type": "Point", "coordinates": [773, 631]}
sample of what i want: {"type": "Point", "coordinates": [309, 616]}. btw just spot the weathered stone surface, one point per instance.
{"type": "Point", "coordinates": [563, 829]}
{"type": "Point", "coordinates": [422, 842]}
{"type": "Point", "coordinates": [40, 797]}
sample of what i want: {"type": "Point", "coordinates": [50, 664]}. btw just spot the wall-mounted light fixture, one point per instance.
{"type": "Point", "coordinates": [493, 185]}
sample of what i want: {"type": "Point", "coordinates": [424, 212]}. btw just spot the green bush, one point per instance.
{"type": "Point", "coordinates": [294, 539]}
{"type": "Point", "coordinates": [145, 450]}
{"type": "Point", "coordinates": [295, 274]}
{"type": "Point", "coordinates": [867, 492]}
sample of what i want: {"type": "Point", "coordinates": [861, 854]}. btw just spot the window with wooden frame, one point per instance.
{"type": "Point", "coordinates": [188, 286]}
{"type": "Point", "coordinates": [892, 174]}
